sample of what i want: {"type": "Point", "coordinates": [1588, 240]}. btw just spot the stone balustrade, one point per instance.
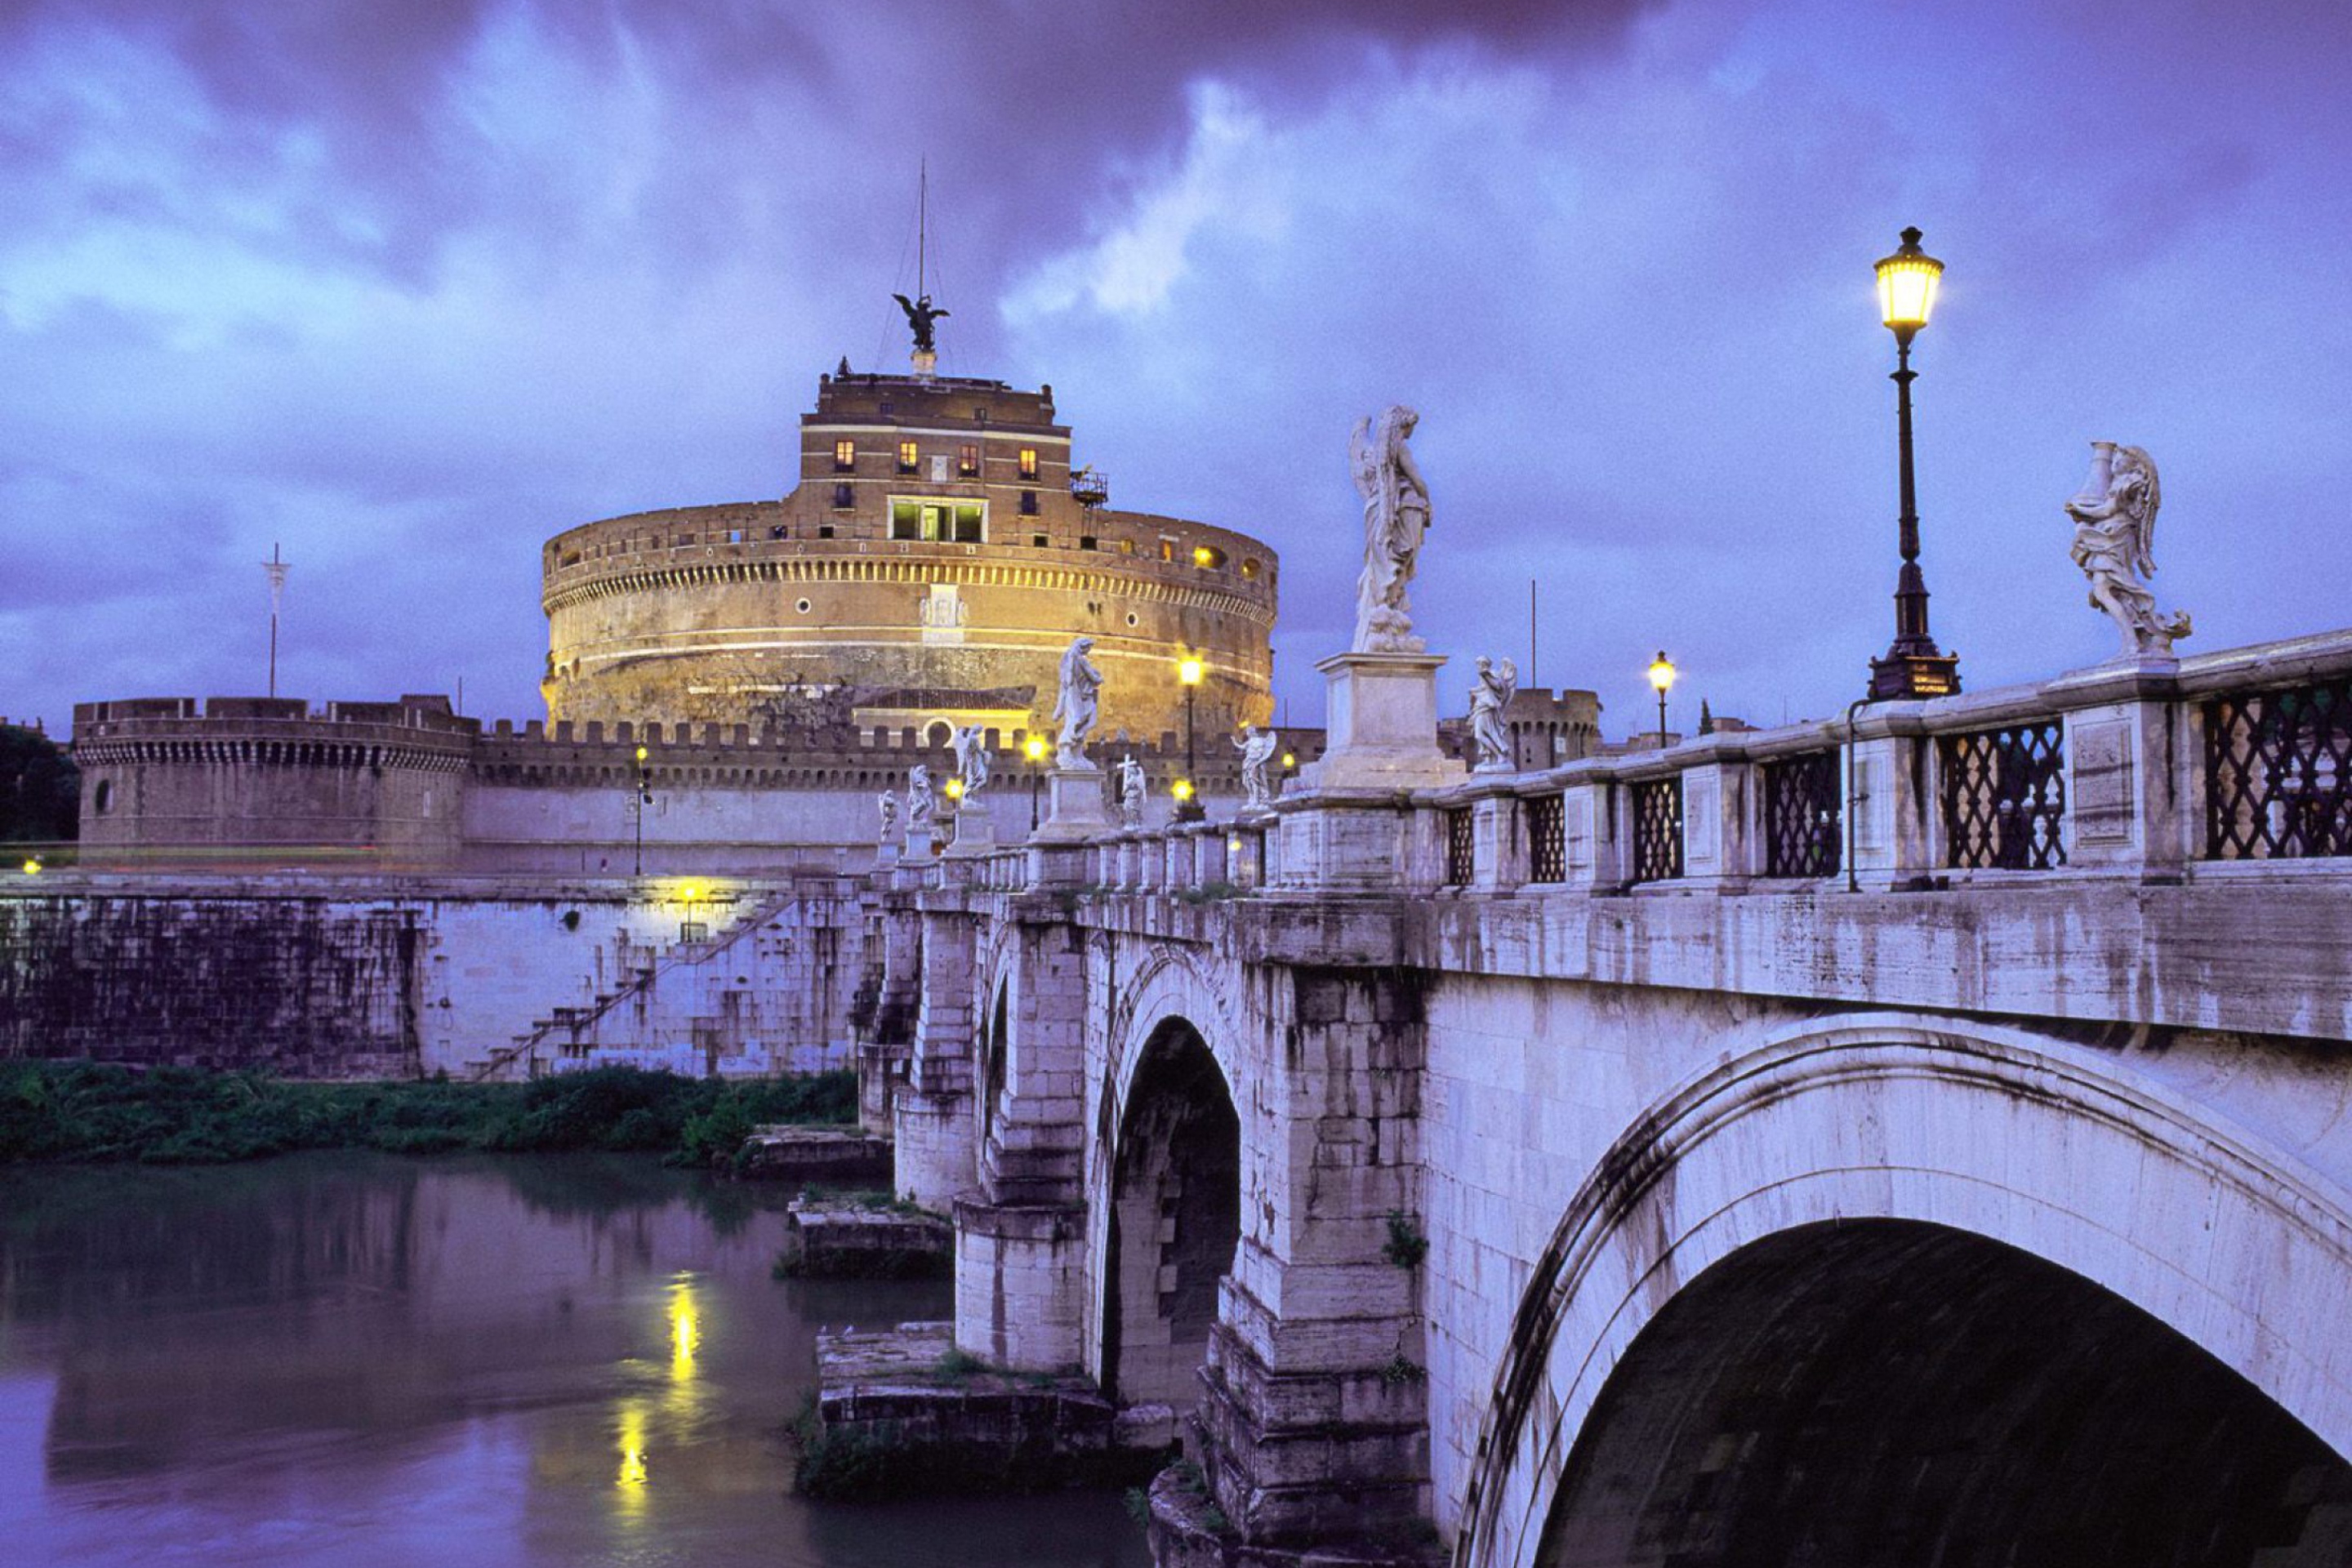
{"type": "Point", "coordinates": [2152, 772]}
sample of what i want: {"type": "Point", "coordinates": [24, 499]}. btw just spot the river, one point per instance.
{"type": "Point", "coordinates": [467, 1362]}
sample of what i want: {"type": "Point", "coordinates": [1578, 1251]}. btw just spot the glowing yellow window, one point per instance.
{"type": "Point", "coordinates": [1028, 462]}
{"type": "Point", "coordinates": [967, 459]}
{"type": "Point", "coordinates": [845, 456]}
{"type": "Point", "coordinates": [906, 457]}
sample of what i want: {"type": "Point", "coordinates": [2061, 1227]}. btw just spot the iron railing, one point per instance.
{"type": "Point", "coordinates": [1802, 815]}
{"type": "Point", "coordinates": [1547, 838]}
{"type": "Point", "coordinates": [1461, 847]}
{"type": "Point", "coordinates": [1658, 829]}
{"type": "Point", "coordinates": [2278, 773]}
{"type": "Point", "coordinates": [2005, 797]}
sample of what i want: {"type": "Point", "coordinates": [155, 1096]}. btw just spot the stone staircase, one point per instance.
{"type": "Point", "coordinates": [563, 1035]}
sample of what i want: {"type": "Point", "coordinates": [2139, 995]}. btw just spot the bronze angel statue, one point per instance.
{"type": "Point", "coordinates": [920, 314]}
{"type": "Point", "coordinates": [2114, 538]}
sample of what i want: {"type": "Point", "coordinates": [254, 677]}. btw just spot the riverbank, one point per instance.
{"type": "Point", "coordinates": [88, 1112]}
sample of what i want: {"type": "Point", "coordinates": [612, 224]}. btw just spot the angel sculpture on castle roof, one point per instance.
{"type": "Point", "coordinates": [2114, 538]}
{"type": "Point", "coordinates": [1396, 520]}
{"type": "Point", "coordinates": [920, 315]}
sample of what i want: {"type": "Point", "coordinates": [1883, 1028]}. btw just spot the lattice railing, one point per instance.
{"type": "Point", "coordinates": [2005, 797]}
{"type": "Point", "coordinates": [1547, 816]}
{"type": "Point", "coordinates": [2278, 773]}
{"type": "Point", "coordinates": [1658, 830]}
{"type": "Point", "coordinates": [1461, 847]}
{"type": "Point", "coordinates": [1802, 815]}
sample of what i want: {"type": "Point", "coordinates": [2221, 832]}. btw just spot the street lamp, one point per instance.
{"type": "Point", "coordinates": [1034, 748]}
{"type": "Point", "coordinates": [1662, 676]}
{"type": "Point", "coordinates": [1189, 671]}
{"type": "Point", "coordinates": [645, 799]}
{"type": "Point", "coordinates": [1913, 667]}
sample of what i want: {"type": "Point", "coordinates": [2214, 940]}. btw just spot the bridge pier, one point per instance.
{"type": "Point", "coordinates": [1314, 1419]}
{"type": "Point", "coordinates": [931, 1119]}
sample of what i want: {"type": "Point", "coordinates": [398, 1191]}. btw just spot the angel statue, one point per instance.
{"type": "Point", "coordinates": [1491, 693]}
{"type": "Point", "coordinates": [889, 807]}
{"type": "Point", "coordinates": [971, 760]}
{"type": "Point", "coordinates": [1131, 791]}
{"type": "Point", "coordinates": [1074, 709]}
{"type": "Point", "coordinates": [1257, 748]}
{"type": "Point", "coordinates": [919, 798]}
{"type": "Point", "coordinates": [1396, 518]}
{"type": "Point", "coordinates": [2115, 535]}
{"type": "Point", "coordinates": [920, 314]}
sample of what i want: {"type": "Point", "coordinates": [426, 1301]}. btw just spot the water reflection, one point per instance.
{"type": "Point", "coordinates": [364, 1361]}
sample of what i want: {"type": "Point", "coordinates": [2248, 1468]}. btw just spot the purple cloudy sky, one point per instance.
{"type": "Point", "coordinates": [410, 286]}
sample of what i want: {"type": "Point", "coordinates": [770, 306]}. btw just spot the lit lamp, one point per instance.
{"type": "Point", "coordinates": [1908, 281]}
{"type": "Point", "coordinates": [1034, 748]}
{"type": "Point", "coordinates": [645, 799]}
{"type": "Point", "coordinates": [955, 789]}
{"type": "Point", "coordinates": [1662, 676]}
{"type": "Point", "coordinates": [1189, 671]}
{"type": "Point", "coordinates": [32, 865]}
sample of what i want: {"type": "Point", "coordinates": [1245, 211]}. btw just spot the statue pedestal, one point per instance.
{"type": "Point", "coordinates": [1383, 713]}
{"type": "Point", "coordinates": [974, 833]}
{"type": "Point", "coordinates": [1074, 806]}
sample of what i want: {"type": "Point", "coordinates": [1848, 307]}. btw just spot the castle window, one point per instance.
{"type": "Point", "coordinates": [844, 497]}
{"type": "Point", "coordinates": [825, 531]}
{"type": "Point", "coordinates": [968, 460]}
{"type": "Point", "coordinates": [979, 416]}
{"type": "Point", "coordinates": [1028, 503]}
{"type": "Point", "coordinates": [845, 456]}
{"type": "Point", "coordinates": [887, 409]}
{"type": "Point", "coordinates": [1249, 566]}
{"type": "Point", "coordinates": [1167, 549]}
{"type": "Point", "coordinates": [907, 457]}
{"type": "Point", "coordinates": [1087, 542]}
{"type": "Point", "coordinates": [1038, 541]}
{"type": "Point", "coordinates": [1028, 462]}
{"type": "Point", "coordinates": [1126, 547]}
{"type": "Point", "coordinates": [734, 536]}
{"type": "Point", "coordinates": [939, 522]}
{"type": "Point", "coordinates": [1207, 558]}
{"type": "Point", "coordinates": [777, 531]}
{"type": "Point", "coordinates": [101, 799]}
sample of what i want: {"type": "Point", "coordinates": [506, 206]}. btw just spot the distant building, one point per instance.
{"type": "Point", "coordinates": [1546, 728]}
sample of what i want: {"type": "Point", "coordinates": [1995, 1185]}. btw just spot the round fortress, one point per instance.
{"type": "Point", "coordinates": [936, 558]}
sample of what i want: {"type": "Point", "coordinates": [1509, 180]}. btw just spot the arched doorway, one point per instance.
{"type": "Point", "coordinates": [1175, 1218]}
{"type": "Point", "coordinates": [1881, 1393]}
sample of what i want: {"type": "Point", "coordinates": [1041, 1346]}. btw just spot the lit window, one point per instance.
{"type": "Point", "coordinates": [1028, 462]}
{"type": "Point", "coordinates": [1028, 503]}
{"type": "Point", "coordinates": [1167, 549]}
{"type": "Point", "coordinates": [1207, 557]}
{"type": "Point", "coordinates": [939, 522]}
{"type": "Point", "coordinates": [1249, 566]}
{"type": "Point", "coordinates": [967, 460]}
{"type": "Point", "coordinates": [845, 456]}
{"type": "Point", "coordinates": [906, 457]}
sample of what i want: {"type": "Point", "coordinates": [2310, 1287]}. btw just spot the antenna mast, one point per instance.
{"type": "Point", "coordinates": [276, 568]}
{"type": "Point", "coordinates": [922, 224]}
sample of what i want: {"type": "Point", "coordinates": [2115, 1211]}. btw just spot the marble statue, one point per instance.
{"type": "Point", "coordinates": [1257, 748]}
{"type": "Point", "coordinates": [1131, 791]}
{"type": "Point", "coordinates": [1491, 693]}
{"type": "Point", "coordinates": [889, 807]}
{"type": "Point", "coordinates": [2115, 535]}
{"type": "Point", "coordinates": [918, 797]}
{"type": "Point", "coordinates": [1074, 709]}
{"type": "Point", "coordinates": [920, 314]}
{"type": "Point", "coordinates": [1396, 518]}
{"type": "Point", "coordinates": [971, 760]}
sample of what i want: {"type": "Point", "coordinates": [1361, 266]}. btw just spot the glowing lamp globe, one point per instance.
{"type": "Point", "coordinates": [1906, 287]}
{"type": "Point", "coordinates": [1189, 671]}
{"type": "Point", "coordinates": [1661, 673]}
{"type": "Point", "coordinates": [1034, 748]}
{"type": "Point", "coordinates": [1181, 789]}
{"type": "Point", "coordinates": [955, 789]}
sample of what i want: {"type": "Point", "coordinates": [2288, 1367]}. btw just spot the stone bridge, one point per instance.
{"type": "Point", "coordinates": [1917, 1140]}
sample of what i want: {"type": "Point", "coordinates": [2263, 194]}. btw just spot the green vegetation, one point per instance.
{"type": "Point", "coordinates": [1405, 1246]}
{"type": "Point", "coordinates": [89, 1112]}
{"type": "Point", "coordinates": [40, 788]}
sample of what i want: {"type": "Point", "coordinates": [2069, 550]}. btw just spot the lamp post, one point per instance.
{"type": "Point", "coordinates": [1034, 748]}
{"type": "Point", "coordinates": [1189, 671]}
{"type": "Point", "coordinates": [1908, 281]}
{"type": "Point", "coordinates": [645, 799]}
{"type": "Point", "coordinates": [1662, 676]}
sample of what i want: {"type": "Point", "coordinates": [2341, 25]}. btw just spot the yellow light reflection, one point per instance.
{"type": "Point", "coordinates": [631, 1477]}
{"type": "Point", "coordinates": [685, 1331]}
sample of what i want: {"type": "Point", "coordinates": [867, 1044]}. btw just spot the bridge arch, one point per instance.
{"type": "Point", "coordinates": [1861, 1166]}
{"type": "Point", "coordinates": [1165, 1183]}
